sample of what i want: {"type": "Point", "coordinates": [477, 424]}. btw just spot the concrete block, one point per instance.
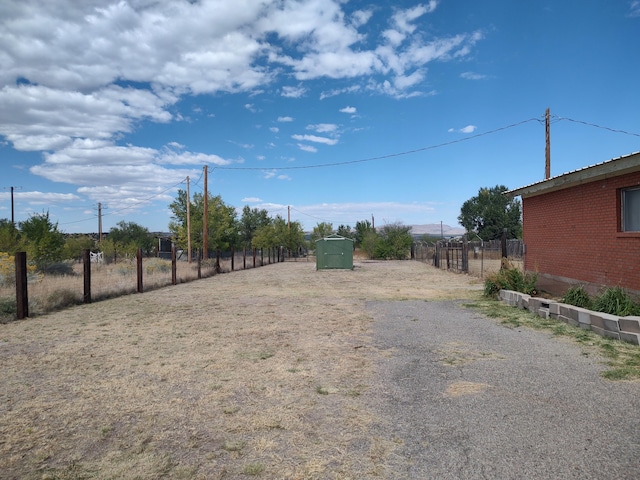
{"type": "Point", "coordinates": [584, 317]}
{"type": "Point", "coordinates": [573, 322]}
{"type": "Point", "coordinates": [610, 322]}
{"type": "Point", "coordinates": [598, 330]}
{"type": "Point", "coordinates": [630, 324]}
{"type": "Point", "coordinates": [609, 334]}
{"type": "Point", "coordinates": [543, 312]}
{"type": "Point", "coordinates": [630, 337]}
{"type": "Point", "coordinates": [554, 309]}
{"type": "Point", "coordinates": [523, 302]}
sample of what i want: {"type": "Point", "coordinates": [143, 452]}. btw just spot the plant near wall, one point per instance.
{"type": "Point", "coordinates": [510, 278]}
{"type": "Point", "coordinates": [616, 301]}
{"type": "Point", "coordinates": [578, 297]}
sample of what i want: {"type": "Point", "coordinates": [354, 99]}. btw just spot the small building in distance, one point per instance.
{"type": "Point", "coordinates": [334, 251]}
{"type": "Point", "coordinates": [583, 227]}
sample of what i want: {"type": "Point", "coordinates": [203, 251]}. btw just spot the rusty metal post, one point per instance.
{"type": "Point", "coordinates": [87, 275]}
{"type": "Point", "coordinates": [139, 269]}
{"type": "Point", "coordinates": [22, 297]}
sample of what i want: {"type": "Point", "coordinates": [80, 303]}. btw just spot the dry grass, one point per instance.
{"type": "Point", "coordinates": [262, 373]}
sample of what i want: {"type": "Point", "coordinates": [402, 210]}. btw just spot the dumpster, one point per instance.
{"type": "Point", "coordinates": [334, 251]}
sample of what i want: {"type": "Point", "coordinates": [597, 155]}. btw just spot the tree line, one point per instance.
{"type": "Point", "coordinates": [485, 215]}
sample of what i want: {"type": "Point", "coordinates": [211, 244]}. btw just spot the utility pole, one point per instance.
{"type": "Point", "coordinates": [13, 218]}
{"type": "Point", "coordinates": [547, 128]}
{"type": "Point", "coordinates": [188, 222]}
{"type": "Point", "coordinates": [289, 217]}
{"type": "Point", "coordinates": [373, 223]}
{"type": "Point", "coordinates": [205, 217]}
{"type": "Point", "coordinates": [99, 223]}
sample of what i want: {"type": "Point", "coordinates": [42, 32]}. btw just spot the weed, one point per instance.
{"type": "Point", "coordinates": [616, 301]}
{"type": "Point", "coordinates": [578, 297]}
{"type": "Point", "coordinates": [253, 469]}
{"type": "Point", "coordinates": [510, 278]}
{"type": "Point", "coordinates": [233, 445]}
{"type": "Point", "coordinates": [322, 390]}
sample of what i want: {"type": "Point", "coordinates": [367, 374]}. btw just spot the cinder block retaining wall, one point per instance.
{"type": "Point", "coordinates": [604, 324]}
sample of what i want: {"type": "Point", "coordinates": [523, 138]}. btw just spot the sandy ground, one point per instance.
{"type": "Point", "coordinates": [260, 373]}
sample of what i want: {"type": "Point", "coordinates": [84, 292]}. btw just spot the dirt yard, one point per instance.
{"type": "Point", "coordinates": [260, 373]}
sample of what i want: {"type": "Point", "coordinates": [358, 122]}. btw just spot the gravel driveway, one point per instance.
{"type": "Point", "coordinates": [468, 398]}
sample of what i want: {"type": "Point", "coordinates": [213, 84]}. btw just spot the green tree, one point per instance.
{"type": "Point", "coordinates": [490, 212]}
{"type": "Point", "coordinates": [345, 231]}
{"type": "Point", "coordinates": [250, 221]}
{"type": "Point", "coordinates": [10, 241]}
{"type": "Point", "coordinates": [128, 237]}
{"type": "Point", "coordinates": [222, 222]}
{"type": "Point", "coordinates": [362, 229]}
{"type": "Point", "coordinates": [74, 246]}
{"type": "Point", "coordinates": [394, 242]}
{"type": "Point", "coordinates": [321, 230]}
{"type": "Point", "coordinates": [43, 241]}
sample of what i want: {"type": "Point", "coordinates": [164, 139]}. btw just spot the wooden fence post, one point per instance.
{"type": "Point", "coordinates": [199, 263]}
{"type": "Point", "coordinates": [244, 258]}
{"type": "Point", "coordinates": [504, 244]}
{"type": "Point", "coordinates": [174, 266]}
{"type": "Point", "coordinates": [87, 275]}
{"type": "Point", "coordinates": [139, 269]}
{"type": "Point", "coordinates": [22, 297]}
{"type": "Point", "coordinates": [233, 258]}
{"type": "Point", "coordinates": [255, 254]}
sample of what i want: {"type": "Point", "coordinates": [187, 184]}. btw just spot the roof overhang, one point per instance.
{"type": "Point", "coordinates": [611, 168]}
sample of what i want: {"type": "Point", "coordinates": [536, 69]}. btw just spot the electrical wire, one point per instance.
{"type": "Point", "coordinates": [597, 126]}
{"type": "Point", "coordinates": [383, 157]}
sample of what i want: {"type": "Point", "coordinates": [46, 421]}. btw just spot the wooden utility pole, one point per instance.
{"type": "Point", "coordinates": [188, 222]}
{"type": "Point", "coordinates": [13, 219]}
{"type": "Point", "coordinates": [99, 223]}
{"type": "Point", "coordinates": [205, 217]}
{"type": "Point", "coordinates": [547, 128]}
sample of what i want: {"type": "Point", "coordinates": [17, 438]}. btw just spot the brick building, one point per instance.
{"type": "Point", "coordinates": [583, 227]}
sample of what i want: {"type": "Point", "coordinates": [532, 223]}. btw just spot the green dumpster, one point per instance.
{"type": "Point", "coordinates": [334, 251]}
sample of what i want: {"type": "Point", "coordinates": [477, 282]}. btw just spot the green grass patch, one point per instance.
{"type": "Point", "coordinates": [621, 358]}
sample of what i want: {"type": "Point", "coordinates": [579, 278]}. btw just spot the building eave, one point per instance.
{"type": "Point", "coordinates": [610, 168]}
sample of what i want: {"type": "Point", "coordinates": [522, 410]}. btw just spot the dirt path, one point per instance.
{"type": "Point", "coordinates": [259, 373]}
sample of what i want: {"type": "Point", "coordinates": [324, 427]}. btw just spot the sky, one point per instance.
{"type": "Point", "coordinates": [325, 110]}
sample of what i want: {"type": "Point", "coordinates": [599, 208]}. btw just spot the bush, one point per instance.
{"type": "Point", "coordinates": [58, 268]}
{"type": "Point", "coordinates": [60, 299]}
{"type": "Point", "coordinates": [616, 301]}
{"type": "Point", "coordinates": [578, 297]}
{"type": "Point", "coordinates": [510, 278]}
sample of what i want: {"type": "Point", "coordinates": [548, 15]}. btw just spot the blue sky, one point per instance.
{"type": "Point", "coordinates": [342, 110]}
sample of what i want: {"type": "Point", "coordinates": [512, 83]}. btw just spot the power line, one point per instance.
{"type": "Point", "coordinates": [558, 119]}
{"type": "Point", "coordinates": [383, 157]}
{"type": "Point", "coordinates": [145, 200]}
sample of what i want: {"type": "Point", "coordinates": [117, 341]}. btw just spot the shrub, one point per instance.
{"type": "Point", "coordinates": [616, 301]}
{"type": "Point", "coordinates": [60, 299]}
{"type": "Point", "coordinates": [510, 278]}
{"type": "Point", "coordinates": [578, 297]}
{"type": "Point", "coordinates": [58, 268]}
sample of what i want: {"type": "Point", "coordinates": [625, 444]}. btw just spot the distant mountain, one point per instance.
{"type": "Point", "coordinates": [437, 230]}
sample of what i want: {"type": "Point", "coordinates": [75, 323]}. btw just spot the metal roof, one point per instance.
{"type": "Point", "coordinates": [610, 168]}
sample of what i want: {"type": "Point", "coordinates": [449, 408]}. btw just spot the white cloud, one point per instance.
{"type": "Point", "coordinates": [348, 110]}
{"type": "Point", "coordinates": [323, 127]}
{"type": "Point", "coordinates": [293, 92]}
{"type": "Point", "coordinates": [307, 148]}
{"type": "Point", "coordinates": [274, 129]}
{"type": "Point", "coordinates": [269, 174]}
{"type": "Point", "coordinates": [315, 139]}
{"type": "Point", "coordinates": [251, 200]}
{"type": "Point", "coordinates": [285, 119]}
{"type": "Point", "coordinates": [634, 8]}
{"type": "Point", "coordinates": [472, 76]}
{"type": "Point", "coordinates": [467, 129]}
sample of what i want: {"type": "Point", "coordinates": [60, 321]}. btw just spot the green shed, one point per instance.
{"type": "Point", "coordinates": [334, 251]}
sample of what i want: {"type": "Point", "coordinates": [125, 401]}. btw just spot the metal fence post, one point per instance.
{"type": "Point", "coordinates": [174, 266]}
{"type": "Point", "coordinates": [139, 269]}
{"type": "Point", "coordinates": [22, 297]}
{"type": "Point", "coordinates": [87, 275]}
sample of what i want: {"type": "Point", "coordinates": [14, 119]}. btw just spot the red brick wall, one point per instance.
{"type": "Point", "coordinates": [575, 233]}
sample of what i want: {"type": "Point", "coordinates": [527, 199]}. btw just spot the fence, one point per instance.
{"type": "Point", "coordinates": [63, 284]}
{"type": "Point", "coordinates": [475, 258]}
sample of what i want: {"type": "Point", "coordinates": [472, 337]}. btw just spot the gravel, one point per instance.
{"type": "Point", "coordinates": [464, 397]}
